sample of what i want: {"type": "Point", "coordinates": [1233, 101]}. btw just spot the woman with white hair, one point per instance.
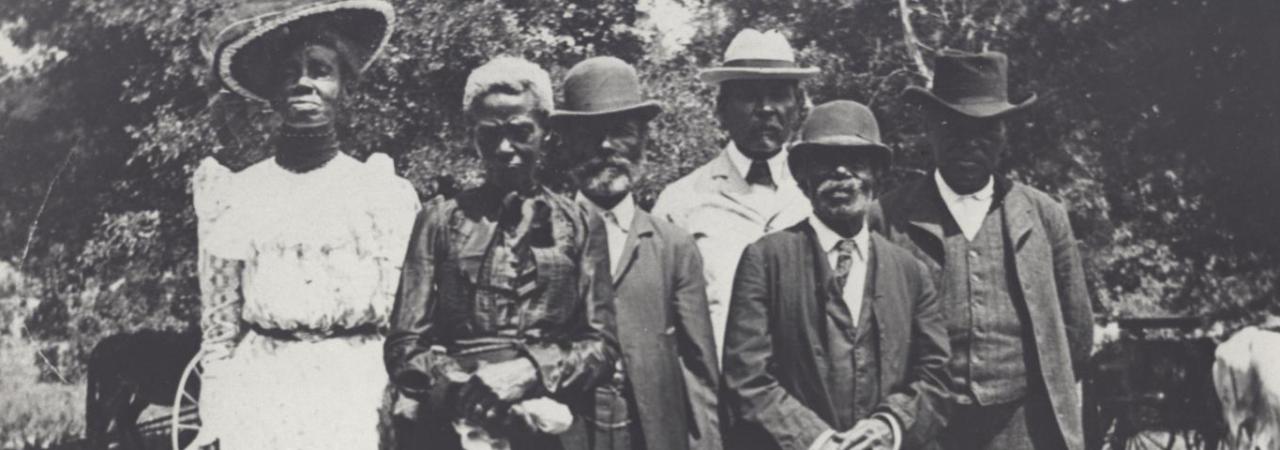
{"type": "Point", "coordinates": [503, 319]}
{"type": "Point", "coordinates": [299, 252]}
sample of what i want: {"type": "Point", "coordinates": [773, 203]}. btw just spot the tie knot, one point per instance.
{"type": "Point", "coordinates": [847, 246]}
{"type": "Point", "coordinates": [760, 173]}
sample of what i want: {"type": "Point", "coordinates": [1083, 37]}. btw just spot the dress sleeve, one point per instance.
{"type": "Point", "coordinates": [412, 363]}
{"type": "Point", "coordinates": [221, 226]}
{"type": "Point", "coordinates": [221, 296]}
{"type": "Point", "coordinates": [393, 209]}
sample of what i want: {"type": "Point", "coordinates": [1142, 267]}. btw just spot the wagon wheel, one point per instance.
{"type": "Point", "coordinates": [184, 419]}
{"type": "Point", "coordinates": [1162, 440]}
{"type": "Point", "coordinates": [1200, 440]}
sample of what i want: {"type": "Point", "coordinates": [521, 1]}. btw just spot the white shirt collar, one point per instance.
{"type": "Point", "coordinates": [624, 211]}
{"type": "Point", "coordinates": [777, 163]}
{"type": "Point", "coordinates": [828, 238]}
{"type": "Point", "coordinates": [951, 197]}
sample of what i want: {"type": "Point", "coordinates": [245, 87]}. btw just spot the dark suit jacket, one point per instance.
{"type": "Point", "coordinates": [775, 368]}
{"type": "Point", "coordinates": [664, 330]}
{"type": "Point", "coordinates": [1048, 271]}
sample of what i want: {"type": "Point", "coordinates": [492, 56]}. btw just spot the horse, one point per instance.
{"type": "Point", "coordinates": [129, 372]}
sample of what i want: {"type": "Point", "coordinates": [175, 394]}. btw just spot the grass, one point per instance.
{"type": "Point", "coordinates": [35, 415]}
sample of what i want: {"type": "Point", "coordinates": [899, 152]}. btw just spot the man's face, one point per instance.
{"type": "Point", "coordinates": [607, 152]}
{"type": "Point", "coordinates": [508, 133]}
{"type": "Point", "coordinates": [759, 114]}
{"type": "Point", "coordinates": [840, 185]}
{"type": "Point", "coordinates": [307, 86]}
{"type": "Point", "coordinates": [966, 150]}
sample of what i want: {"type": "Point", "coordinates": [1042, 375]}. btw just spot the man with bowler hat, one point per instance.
{"type": "Point", "coordinates": [746, 190]}
{"type": "Point", "coordinates": [663, 394]}
{"type": "Point", "coordinates": [836, 338]}
{"type": "Point", "coordinates": [1006, 265]}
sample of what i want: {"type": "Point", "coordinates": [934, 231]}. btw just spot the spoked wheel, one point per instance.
{"type": "Point", "coordinates": [184, 419]}
{"type": "Point", "coordinates": [1149, 440]}
{"type": "Point", "coordinates": [1163, 440]}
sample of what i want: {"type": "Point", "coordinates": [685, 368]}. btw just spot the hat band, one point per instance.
{"type": "Point", "coordinates": [758, 63]}
{"type": "Point", "coordinates": [604, 105]}
{"type": "Point", "coordinates": [973, 99]}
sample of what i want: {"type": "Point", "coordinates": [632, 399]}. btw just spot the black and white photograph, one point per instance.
{"type": "Point", "coordinates": [639, 225]}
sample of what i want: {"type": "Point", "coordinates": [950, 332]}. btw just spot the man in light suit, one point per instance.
{"type": "Point", "coordinates": [747, 190]}
{"type": "Point", "coordinates": [663, 396]}
{"type": "Point", "coordinates": [1005, 262]}
{"type": "Point", "coordinates": [836, 338]}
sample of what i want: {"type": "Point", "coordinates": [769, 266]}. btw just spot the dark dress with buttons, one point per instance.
{"type": "Point", "coordinates": [467, 290]}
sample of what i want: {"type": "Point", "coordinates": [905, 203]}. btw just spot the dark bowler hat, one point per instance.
{"type": "Point", "coordinates": [234, 39]}
{"type": "Point", "coordinates": [973, 84]}
{"type": "Point", "coordinates": [840, 125]}
{"type": "Point", "coordinates": [601, 86]}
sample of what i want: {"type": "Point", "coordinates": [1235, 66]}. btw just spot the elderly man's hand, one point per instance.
{"type": "Point", "coordinates": [868, 434]}
{"type": "Point", "coordinates": [494, 387]}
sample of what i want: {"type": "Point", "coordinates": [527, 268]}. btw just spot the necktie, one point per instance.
{"type": "Point", "coordinates": [844, 260]}
{"type": "Point", "coordinates": [760, 174]}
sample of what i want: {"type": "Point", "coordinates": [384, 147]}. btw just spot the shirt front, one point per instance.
{"type": "Point", "coordinates": [968, 210]}
{"type": "Point", "coordinates": [854, 285]}
{"type": "Point", "coordinates": [778, 168]}
{"type": "Point", "coordinates": [617, 225]}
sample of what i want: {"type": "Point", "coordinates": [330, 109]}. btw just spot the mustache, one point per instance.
{"type": "Point", "coordinates": [842, 186]}
{"type": "Point", "coordinates": [597, 165]}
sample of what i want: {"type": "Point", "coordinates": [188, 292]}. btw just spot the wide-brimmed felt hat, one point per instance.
{"type": "Point", "coordinates": [242, 27]}
{"type": "Point", "coordinates": [753, 55]}
{"type": "Point", "coordinates": [603, 86]}
{"type": "Point", "coordinates": [839, 125]}
{"type": "Point", "coordinates": [972, 84]}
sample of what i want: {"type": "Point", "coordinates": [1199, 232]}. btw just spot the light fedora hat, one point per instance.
{"type": "Point", "coordinates": [602, 86]}
{"type": "Point", "coordinates": [839, 126]}
{"type": "Point", "coordinates": [756, 55]}
{"type": "Point", "coordinates": [245, 25]}
{"type": "Point", "coordinates": [972, 84]}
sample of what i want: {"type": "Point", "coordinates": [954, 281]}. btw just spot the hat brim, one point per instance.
{"type": "Point", "coordinates": [979, 110]}
{"type": "Point", "coordinates": [647, 109]}
{"type": "Point", "coordinates": [720, 74]}
{"type": "Point", "coordinates": [378, 14]}
{"type": "Point", "coordinates": [803, 150]}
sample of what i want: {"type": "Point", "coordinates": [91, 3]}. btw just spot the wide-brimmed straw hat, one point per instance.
{"type": "Point", "coordinates": [972, 84]}
{"type": "Point", "coordinates": [365, 24]}
{"type": "Point", "coordinates": [840, 125]}
{"type": "Point", "coordinates": [758, 56]}
{"type": "Point", "coordinates": [603, 86]}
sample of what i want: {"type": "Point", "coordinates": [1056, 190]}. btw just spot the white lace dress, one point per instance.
{"type": "Point", "coordinates": [321, 253]}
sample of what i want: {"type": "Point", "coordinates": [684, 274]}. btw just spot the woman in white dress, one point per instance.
{"type": "Point", "coordinates": [300, 253]}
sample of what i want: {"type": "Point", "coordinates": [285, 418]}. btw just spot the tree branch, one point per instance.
{"type": "Point", "coordinates": [913, 44]}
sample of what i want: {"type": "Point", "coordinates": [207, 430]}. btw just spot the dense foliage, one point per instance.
{"type": "Point", "coordinates": [1156, 124]}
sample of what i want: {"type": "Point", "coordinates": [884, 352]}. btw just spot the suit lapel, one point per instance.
{"type": "Point", "coordinates": [815, 329]}
{"type": "Point", "coordinates": [1018, 216]}
{"type": "Point", "coordinates": [732, 185]}
{"type": "Point", "coordinates": [928, 213]}
{"type": "Point", "coordinates": [641, 228]}
{"type": "Point", "coordinates": [871, 296]}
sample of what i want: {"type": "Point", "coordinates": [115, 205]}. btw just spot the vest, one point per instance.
{"type": "Point", "coordinates": [986, 327]}
{"type": "Point", "coordinates": [851, 357]}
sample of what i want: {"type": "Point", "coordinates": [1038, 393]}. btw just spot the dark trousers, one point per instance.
{"type": "Point", "coordinates": [1026, 424]}
{"type": "Point", "coordinates": [614, 424]}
